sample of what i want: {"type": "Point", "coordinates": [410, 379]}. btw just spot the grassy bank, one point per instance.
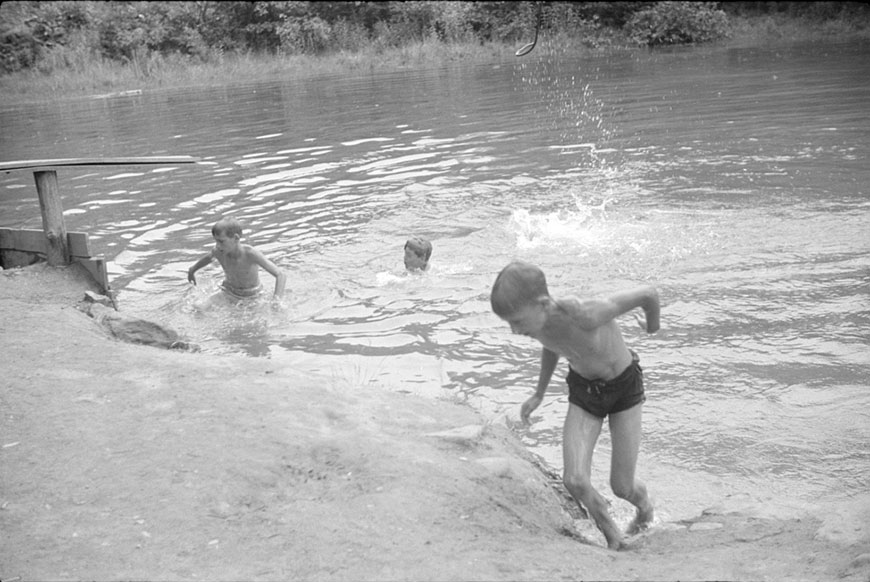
{"type": "Point", "coordinates": [77, 75]}
{"type": "Point", "coordinates": [94, 77]}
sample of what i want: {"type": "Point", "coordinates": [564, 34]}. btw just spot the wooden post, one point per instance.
{"type": "Point", "coordinates": [52, 217]}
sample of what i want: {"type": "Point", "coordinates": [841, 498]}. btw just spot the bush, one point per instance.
{"type": "Point", "coordinates": [308, 36]}
{"type": "Point", "coordinates": [678, 23]}
{"type": "Point", "coordinates": [18, 50]}
{"type": "Point", "coordinates": [29, 30]}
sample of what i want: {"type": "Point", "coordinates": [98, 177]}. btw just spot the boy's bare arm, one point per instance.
{"type": "Point", "coordinates": [549, 359]}
{"type": "Point", "coordinates": [199, 264]}
{"type": "Point", "coordinates": [594, 313]}
{"type": "Point", "coordinates": [271, 268]}
{"type": "Point", "coordinates": [647, 298]}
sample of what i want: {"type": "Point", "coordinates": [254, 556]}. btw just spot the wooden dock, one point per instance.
{"type": "Point", "coordinates": [54, 242]}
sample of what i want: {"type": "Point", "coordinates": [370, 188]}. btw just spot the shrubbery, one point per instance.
{"type": "Point", "coordinates": [45, 35]}
{"type": "Point", "coordinates": [677, 23]}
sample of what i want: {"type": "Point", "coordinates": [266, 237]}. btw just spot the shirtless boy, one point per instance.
{"type": "Point", "coordinates": [240, 262]}
{"type": "Point", "coordinates": [604, 379]}
{"type": "Point", "coordinates": [417, 253]}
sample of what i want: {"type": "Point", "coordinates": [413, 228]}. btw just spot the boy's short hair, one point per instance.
{"type": "Point", "coordinates": [229, 226]}
{"type": "Point", "coordinates": [519, 284]}
{"type": "Point", "coordinates": [421, 247]}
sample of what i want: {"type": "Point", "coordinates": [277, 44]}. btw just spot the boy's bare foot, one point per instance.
{"type": "Point", "coordinates": [642, 521]}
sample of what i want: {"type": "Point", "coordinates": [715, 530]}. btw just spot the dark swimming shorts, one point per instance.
{"type": "Point", "coordinates": [603, 397]}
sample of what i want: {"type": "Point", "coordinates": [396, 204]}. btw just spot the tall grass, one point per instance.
{"type": "Point", "coordinates": [73, 71]}
{"type": "Point", "coordinates": [69, 74]}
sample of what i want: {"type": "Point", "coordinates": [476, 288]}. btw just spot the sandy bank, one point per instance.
{"type": "Point", "coordinates": [122, 461]}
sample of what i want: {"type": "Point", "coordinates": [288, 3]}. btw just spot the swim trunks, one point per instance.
{"type": "Point", "coordinates": [603, 397]}
{"type": "Point", "coordinates": [245, 293]}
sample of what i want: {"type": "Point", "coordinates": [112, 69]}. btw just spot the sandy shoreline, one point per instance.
{"type": "Point", "coordinates": [123, 461]}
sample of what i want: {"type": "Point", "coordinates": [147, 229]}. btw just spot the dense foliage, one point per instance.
{"type": "Point", "coordinates": [48, 35]}
{"type": "Point", "coordinates": [677, 23]}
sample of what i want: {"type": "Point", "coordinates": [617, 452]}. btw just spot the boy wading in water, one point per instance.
{"type": "Point", "coordinates": [240, 263]}
{"type": "Point", "coordinates": [605, 379]}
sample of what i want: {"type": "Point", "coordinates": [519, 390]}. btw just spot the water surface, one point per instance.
{"type": "Point", "coordinates": [734, 180]}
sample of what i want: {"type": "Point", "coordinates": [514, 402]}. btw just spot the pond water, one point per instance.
{"type": "Point", "coordinates": [733, 179]}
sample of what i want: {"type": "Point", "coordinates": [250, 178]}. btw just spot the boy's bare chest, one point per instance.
{"type": "Point", "coordinates": [577, 344]}
{"type": "Point", "coordinates": [237, 264]}
{"type": "Point", "coordinates": [592, 354]}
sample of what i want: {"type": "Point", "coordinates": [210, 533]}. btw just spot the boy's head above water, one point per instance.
{"type": "Point", "coordinates": [227, 233]}
{"type": "Point", "coordinates": [228, 227]}
{"type": "Point", "coordinates": [519, 285]}
{"type": "Point", "coordinates": [417, 253]}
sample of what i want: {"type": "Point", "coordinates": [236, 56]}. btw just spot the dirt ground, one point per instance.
{"type": "Point", "coordinates": [129, 462]}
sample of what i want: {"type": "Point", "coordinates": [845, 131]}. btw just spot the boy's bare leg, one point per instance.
{"type": "Point", "coordinates": [579, 437]}
{"type": "Point", "coordinates": [625, 433]}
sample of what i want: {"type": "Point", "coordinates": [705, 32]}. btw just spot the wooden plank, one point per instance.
{"type": "Point", "coordinates": [146, 161]}
{"type": "Point", "coordinates": [34, 241]}
{"type": "Point", "coordinates": [79, 244]}
{"type": "Point", "coordinates": [96, 266]}
{"type": "Point", "coordinates": [29, 241]}
{"type": "Point", "coordinates": [52, 217]}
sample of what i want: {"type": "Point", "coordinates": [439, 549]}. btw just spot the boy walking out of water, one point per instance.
{"type": "Point", "coordinates": [604, 379]}
{"type": "Point", "coordinates": [240, 263]}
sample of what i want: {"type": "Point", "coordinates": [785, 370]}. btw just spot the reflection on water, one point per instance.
{"type": "Point", "coordinates": [732, 179]}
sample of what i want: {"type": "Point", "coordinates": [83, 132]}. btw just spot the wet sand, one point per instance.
{"type": "Point", "coordinates": [123, 461]}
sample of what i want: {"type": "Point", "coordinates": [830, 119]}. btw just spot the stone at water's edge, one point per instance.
{"type": "Point", "coordinates": [92, 297]}
{"type": "Point", "coordinates": [136, 330]}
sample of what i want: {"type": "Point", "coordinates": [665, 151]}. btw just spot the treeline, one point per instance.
{"type": "Point", "coordinates": [44, 35]}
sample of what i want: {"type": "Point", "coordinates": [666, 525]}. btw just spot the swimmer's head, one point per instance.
{"type": "Point", "coordinates": [417, 253]}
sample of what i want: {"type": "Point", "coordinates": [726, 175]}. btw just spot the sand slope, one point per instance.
{"type": "Point", "coordinates": [122, 461]}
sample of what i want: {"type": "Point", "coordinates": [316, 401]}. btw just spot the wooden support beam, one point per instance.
{"type": "Point", "coordinates": [29, 240]}
{"type": "Point", "coordinates": [96, 266]}
{"type": "Point", "coordinates": [59, 247]}
{"type": "Point", "coordinates": [34, 242]}
{"type": "Point", "coordinates": [52, 217]}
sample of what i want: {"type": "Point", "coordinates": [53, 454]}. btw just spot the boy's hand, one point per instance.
{"type": "Point", "coordinates": [528, 407]}
{"type": "Point", "coordinates": [191, 278]}
{"type": "Point", "coordinates": [644, 323]}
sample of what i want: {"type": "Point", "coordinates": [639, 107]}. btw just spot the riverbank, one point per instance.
{"type": "Point", "coordinates": [90, 77]}
{"type": "Point", "coordinates": [123, 461]}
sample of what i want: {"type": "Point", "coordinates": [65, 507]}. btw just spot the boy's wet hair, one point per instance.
{"type": "Point", "coordinates": [228, 226]}
{"type": "Point", "coordinates": [421, 247]}
{"type": "Point", "coordinates": [519, 284]}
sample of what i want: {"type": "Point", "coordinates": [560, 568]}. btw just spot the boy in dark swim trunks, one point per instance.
{"type": "Point", "coordinates": [240, 263]}
{"type": "Point", "coordinates": [604, 379]}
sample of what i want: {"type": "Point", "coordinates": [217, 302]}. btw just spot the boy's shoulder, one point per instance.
{"type": "Point", "coordinates": [570, 304]}
{"type": "Point", "coordinates": [248, 249]}
{"type": "Point", "coordinates": [578, 310]}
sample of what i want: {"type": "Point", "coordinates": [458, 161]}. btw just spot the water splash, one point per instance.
{"type": "Point", "coordinates": [565, 105]}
